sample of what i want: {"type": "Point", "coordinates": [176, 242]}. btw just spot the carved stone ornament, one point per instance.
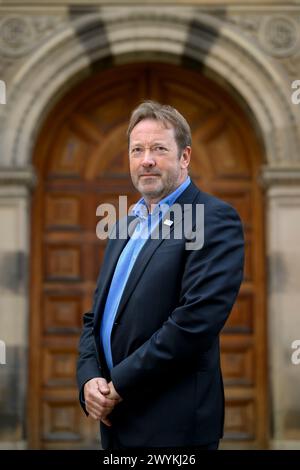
{"type": "Point", "coordinates": [279, 35]}
{"type": "Point", "coordinates": [16, 35]}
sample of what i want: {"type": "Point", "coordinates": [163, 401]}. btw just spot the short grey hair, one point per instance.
{"type": "Point", "coordinates": [165, 114]}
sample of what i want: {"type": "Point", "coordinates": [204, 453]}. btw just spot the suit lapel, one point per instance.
{"type": "Point", "coordinates": [152, 245]}
{"type": "Point", "coordinates": [125, 227]}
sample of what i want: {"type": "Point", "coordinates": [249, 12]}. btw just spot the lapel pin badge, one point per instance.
{"type": "Point", "coordinates": [168, 222]}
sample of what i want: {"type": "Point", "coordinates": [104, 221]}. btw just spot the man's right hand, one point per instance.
{"type": "Point", "coordinates": [97, 404]}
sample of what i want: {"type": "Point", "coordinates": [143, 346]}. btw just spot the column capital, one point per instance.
{"type": "Point", "coordinates": [16, 180]}
{"type": "Point", "coordinates": [280, 176]}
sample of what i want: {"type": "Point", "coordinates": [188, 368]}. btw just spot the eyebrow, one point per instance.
{"type": "Point", "coordinates": [157, 142]}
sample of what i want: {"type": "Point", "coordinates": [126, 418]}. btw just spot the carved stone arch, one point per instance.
{"type": "Point", "coordinates": [165, 35]}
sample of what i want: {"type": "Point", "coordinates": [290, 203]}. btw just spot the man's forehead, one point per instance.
{"type": "Point", "coordinates": [151, 128]}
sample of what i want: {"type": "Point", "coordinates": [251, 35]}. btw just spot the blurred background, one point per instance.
{"type": "Point", "coordinates": [73, 72]}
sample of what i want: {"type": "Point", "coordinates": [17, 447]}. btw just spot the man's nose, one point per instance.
{"type": "Point", "coordinates": [148, 159]}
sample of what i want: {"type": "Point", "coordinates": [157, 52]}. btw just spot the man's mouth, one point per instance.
{"type": "Point", "coordinates": [147, 176]}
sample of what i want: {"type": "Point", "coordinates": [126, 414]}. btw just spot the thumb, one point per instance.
{"type": "Point", "coordinates": [103, 387]}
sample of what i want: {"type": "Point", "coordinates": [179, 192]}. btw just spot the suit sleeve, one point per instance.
{"type": "Point", "coordinates": [87, 364]}
{"type": "Point", "coordinates": [210, 284]}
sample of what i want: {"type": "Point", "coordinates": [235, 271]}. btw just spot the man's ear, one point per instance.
{"type": "Point", "coordinates": [185, 157]}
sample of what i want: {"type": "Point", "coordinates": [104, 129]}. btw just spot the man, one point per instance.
{"type": "Point", "coordinates": [149, 359]}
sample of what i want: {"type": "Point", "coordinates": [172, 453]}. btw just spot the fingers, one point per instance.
{"type": "Point", "coordinates": [93, 415]}
{"type": "Point", "coordinates": [97, 411]}
{"type": "Point", "coordinates": [103, 386]}
{"type": "Point", "coordinates": [99, 414]}
{"type": "Point", "coordinates": [96, 408]}
{"type": "Point", "coordinates": [94, 393]}
{"type": "Point", "coordinates": [99, 401]}
{"type": "Point", "coordinates": [106, 421]}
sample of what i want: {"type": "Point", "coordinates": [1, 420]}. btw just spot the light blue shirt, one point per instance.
{"type": "Point", "coordinates": [147, 223]}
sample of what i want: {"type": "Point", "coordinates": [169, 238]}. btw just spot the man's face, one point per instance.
{"type": "Point", "coordinates": [156, 167]}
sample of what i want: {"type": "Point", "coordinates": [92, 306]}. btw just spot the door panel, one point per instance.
{"type": "Point", "coordinates": [81, 161]}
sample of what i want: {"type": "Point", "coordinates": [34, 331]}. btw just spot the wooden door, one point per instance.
{"type": "Point", "coordinates": [81, 161]}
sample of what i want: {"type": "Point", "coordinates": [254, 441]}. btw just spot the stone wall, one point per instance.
{"type": "Point", "coordinates": [14, 231]}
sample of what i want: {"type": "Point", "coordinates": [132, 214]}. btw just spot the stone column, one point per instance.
{"type": "Point", "coordinates": [283, 251]}
{"type": "Point", "coordinates": [14, 250]}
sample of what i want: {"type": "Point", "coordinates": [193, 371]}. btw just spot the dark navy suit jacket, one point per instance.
{"type": "Point", "coordinates": [165, 339]}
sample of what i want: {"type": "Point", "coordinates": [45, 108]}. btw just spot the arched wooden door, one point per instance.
{"type": "Point", "coordinates": [81, 161]}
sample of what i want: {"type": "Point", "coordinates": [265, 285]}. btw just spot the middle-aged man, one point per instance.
{"type": "Point", "coordinates": [149, 357]}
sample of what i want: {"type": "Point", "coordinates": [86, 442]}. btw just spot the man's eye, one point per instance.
{"type": "Point", "coordinates": [136, 150]}
{"type": "Point", "coordinates": [160, 149]}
